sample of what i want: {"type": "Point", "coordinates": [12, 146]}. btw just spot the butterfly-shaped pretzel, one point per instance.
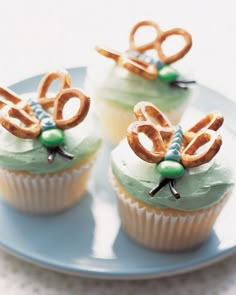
{"type": "Point", "coordinates": [34, 118]}
{"type": "Point", "coordinates": [173, 150]}
{"type": "Point", "coordinates": [137, 61]}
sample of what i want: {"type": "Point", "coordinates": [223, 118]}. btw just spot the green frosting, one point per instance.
{"type": "Point", "coordinates": [199, 187]}
{"type": "Point", "coordinates": [30, 154]}
{"type": "Point", "coordinates": [111, 82]}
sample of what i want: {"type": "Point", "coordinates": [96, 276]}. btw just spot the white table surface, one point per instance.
{"type": "Point", "coordinates": [38, 36]}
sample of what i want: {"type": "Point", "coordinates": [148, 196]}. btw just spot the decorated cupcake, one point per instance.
{"type": "Point", "coordinates": [121, 80]}
{"type": "Point", "coordinates": [169, 184]}
{"type": "Point", "coordinates": [48, 146]}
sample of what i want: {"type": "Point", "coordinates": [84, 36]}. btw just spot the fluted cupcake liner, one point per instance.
{"type": "Point", "coordinates": [115, 120]}
{"type": "Point", "coordinates": [166, 230]}
{"type": "Point", "coordinates": [44, 194]}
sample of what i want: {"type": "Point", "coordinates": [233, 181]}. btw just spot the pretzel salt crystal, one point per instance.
{"type": "Point", "coordinates": [63, 97]}
{"type": "Point", "coordinates": [17, 109]}
{"type": "Point", "coordinates": [65, 82]}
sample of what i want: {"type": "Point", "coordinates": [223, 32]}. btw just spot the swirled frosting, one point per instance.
{"type": "Point", "coordinates": [108, 81]}
{"type": "Point", "coordinates": [30, 155]}
{"type": "Point", "coordinates": [199, 187]}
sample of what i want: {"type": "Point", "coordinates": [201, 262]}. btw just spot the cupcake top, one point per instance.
{"type": "Point", "coordinates": [180, 172]}
{"type": "Point", "coordinates": [115, 84]}
{"type": "Point", "coordinates": [135, 74]}
{"type": "Point", "coordinates": [45, 134]}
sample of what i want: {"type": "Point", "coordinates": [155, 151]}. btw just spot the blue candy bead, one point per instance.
{"type": "Point", "coordinates": [32, 102]}
{"type": "Point", "coordinates": [159, 64]}
{"type": "Point", "coordinates": [38, 112]}
{"type": "Point", "coordinates": [178, 128]}
{"type": "Point", "coordinates": [175, 145]}
{"type": "Point", "coordinates": [177, 140]}
{"type": "Point", "coordinates": [173, 155]}
{"type": "Point", "coordinates": [47, 123]}
{"type": "Point", "coordinates": [43, 115]}
{"type": "Point", "coordinates": [147, 59]}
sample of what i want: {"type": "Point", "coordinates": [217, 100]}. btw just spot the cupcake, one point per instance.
{"type": "Point", "coordinates": [121, 80]}
{"type": "Point", "coordinates": [169, 196]}
{"type": "Point", "coordinates": [48, 146]}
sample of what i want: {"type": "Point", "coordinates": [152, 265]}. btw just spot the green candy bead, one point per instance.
{"type": "Point", "coordinates": [52, 137]}
{"type": "Point", "coordinates": [170, 169]}
{"type": "Point", "coordinates": [168, 74]}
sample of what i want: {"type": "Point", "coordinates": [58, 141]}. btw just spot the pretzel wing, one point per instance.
{"type": "Point", "coordinates": [149, 45]}
{"type": "Point", "coordinates": [188, 156]}
{"type": "Point", "coordinates": [178, 55]}
{"type": "Point", "coordinates": [65, 82]}
{"type": "Point", "coordinates": [63, 97]}
{"type": "Point", "coordinates": [13, 107]}
{"type": "Point", "coordinates": [139, 67]}
{"type": "Point", "coordinates": [202, 135]}
{"type": "Point", "coordinates": [155, 126]}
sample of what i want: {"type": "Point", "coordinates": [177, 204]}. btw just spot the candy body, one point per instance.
{"type": "Point", "coordinates": [170, 169]}
{"type": "Point", "coordinates": [52, 137]}
{"type": "Point", "coordinates": [168, 74]}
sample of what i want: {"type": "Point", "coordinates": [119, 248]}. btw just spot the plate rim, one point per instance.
{"type": "Point", "coordinates": [116, 275]}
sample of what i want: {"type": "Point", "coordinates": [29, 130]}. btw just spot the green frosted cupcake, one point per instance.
{"type": "Point", "coordinates": [47, 170]}
{"type": "Point", "coordinates": [117, 84]}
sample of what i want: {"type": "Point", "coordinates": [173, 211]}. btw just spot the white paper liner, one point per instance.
{"type": "Point", "coordinates": [166, 232]}
{"type": "Point", "coordinates": [44, 194]}
{"type": "Point", "coordinates": [115, 120]}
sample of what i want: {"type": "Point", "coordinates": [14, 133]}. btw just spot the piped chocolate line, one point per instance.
{"type": "Point", "coordinates": [165, 181]}
{"type": "Point", "coordinates": [173, 190]}
{"type": "Point", "coordinates": [157, 188]}
{"type": "Point", "coordinates": [64, 153]}
{"type": "Point", "coordinates": [181, 84]}
{"type": "Point", "coordinates": [52, 153]}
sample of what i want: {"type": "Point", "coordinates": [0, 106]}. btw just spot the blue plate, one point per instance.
{"type": "Point", "coordinates": [87, 240]}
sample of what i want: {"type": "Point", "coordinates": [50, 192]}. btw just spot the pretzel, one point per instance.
{"type": "Point", "coordinates": [153, 134]}
{"type": "Point", "coordinates": [189, 159]}
{"type": "Point", "coordinates": [161, 36]}
{"type": "Point", "coordinates": [161, 136]}
{"type": "Point", "coordinates": [146, 111]}
{"type": "Point", "coordinates": [45, 83]}
{"type": "Point", "coordinates": [131, 63]}
{"type": "Point", "coordinates": [63, 97]}
{"type": "Point", "coordinates": [141, 67]}
{"type": "Point", "coordinates": [212, 121]}
{"type": "Point", "coordinates": [13, 107]}
{"type": "Point", "coordinates": [199, 134]}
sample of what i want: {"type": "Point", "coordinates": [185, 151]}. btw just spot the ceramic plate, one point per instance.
{"type": "Point", "coordinates": [87, 240]}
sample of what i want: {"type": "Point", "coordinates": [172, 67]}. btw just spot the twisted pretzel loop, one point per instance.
{"type": "Point", "coordinates": [161, 36]}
